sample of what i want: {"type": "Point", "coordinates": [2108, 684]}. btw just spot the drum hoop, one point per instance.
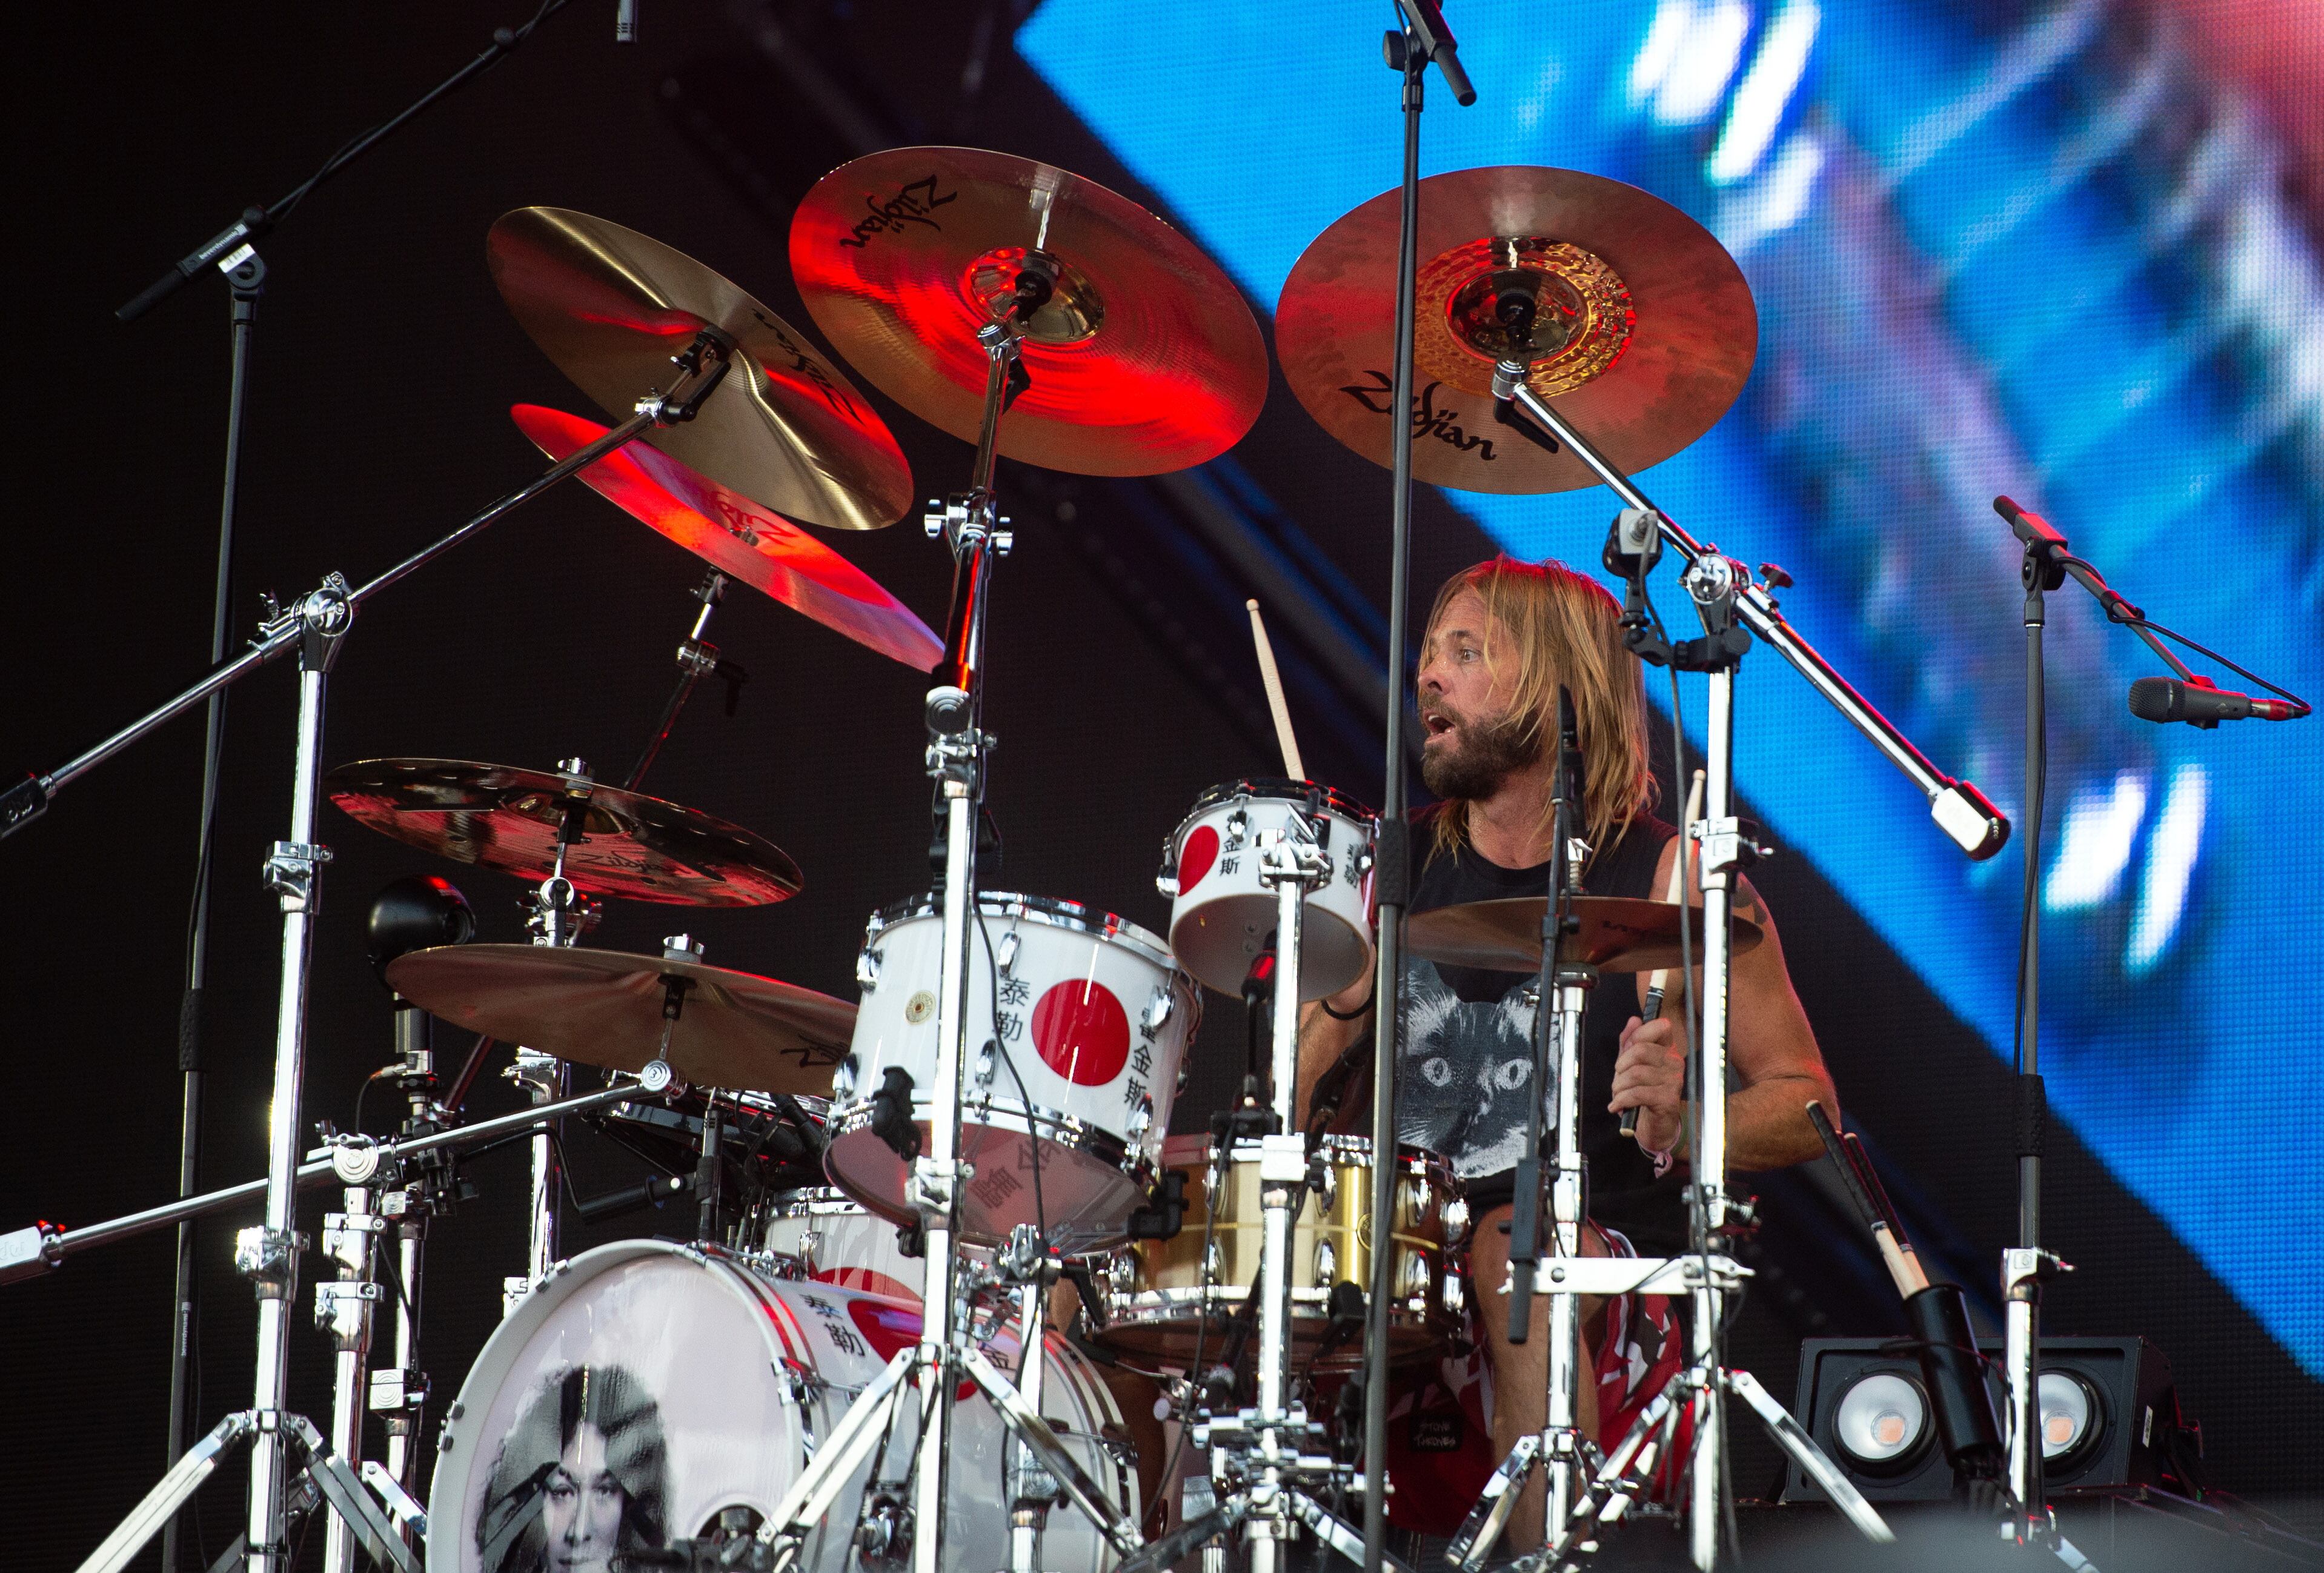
{"type": "Point", "coordinates": [1280, 788]}
{"type": "Point", "coordinates": [1054, 911]}
{"type": "Point", "coordinates": [1067, 1131]}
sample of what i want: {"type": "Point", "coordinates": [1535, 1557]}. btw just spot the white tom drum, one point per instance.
{"type": "Point", "coordinates": [649, 1393]}
{"type": "Point", "coordinates": [823, 1235]}
{"type": "Point", "coordinates": [1221, 911]}
{"type": "Point", "coordinates": [1078, 1021]}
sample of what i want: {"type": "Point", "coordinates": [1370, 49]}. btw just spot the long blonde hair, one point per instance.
{"type": "Point", "coordinates": [1565, 628]}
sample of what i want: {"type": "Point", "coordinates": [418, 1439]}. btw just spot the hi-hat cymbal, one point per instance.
{"type": "Point", "coordinates": [1617, 934]}
{"type": "Point", "coordinates": [736, 536]}
{"type": "Point", "coordinates": [633, 846]}
{"type": "Point", "coordinates": [1644, 334]}
{"type": "Point", "coordinates": [1144, 360]}
{"type": "Point", "coordinates": [785, 428]}
{"type": "Point", "coordinates": [605, 1007]}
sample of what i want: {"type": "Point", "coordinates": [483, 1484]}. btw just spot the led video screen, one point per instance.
{"type": "Point", "coordinates": [2057, 252]}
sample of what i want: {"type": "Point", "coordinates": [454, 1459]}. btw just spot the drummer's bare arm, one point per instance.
{"type": "Point", "coordinates": [1770, 1045]}
{"type": "Point", "coordinates": [1324, 1038]}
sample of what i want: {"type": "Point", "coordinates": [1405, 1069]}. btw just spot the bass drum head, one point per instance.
{"type": "Point", "coordinates": [642, 1393]}
{"type": "Point", "coordinates": [671, 1359]}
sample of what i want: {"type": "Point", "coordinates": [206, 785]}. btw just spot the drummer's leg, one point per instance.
{"type": "Point", "coordinates": [1521, 1371]}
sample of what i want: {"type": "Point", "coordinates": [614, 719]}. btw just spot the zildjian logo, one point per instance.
{"type": "Point", "coordinates": [1427, 420]}
{"type": "Point", "coordinates": [911, 204]}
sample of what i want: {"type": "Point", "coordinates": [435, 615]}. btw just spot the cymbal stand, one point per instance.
{"type": "Point", "coordinates": [917, 1387]}
{"type": "Point", "coordinates": [697, 658]}
{"type": "Point", "coordinates": [1733, 608]}
{"type": "Point", "coordinates": [560, 915]}
{"type": "Point", "coordinates": [268, 1255]}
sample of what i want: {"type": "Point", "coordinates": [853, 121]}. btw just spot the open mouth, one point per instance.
{"type": "Point", "coordinates": [1437, 722]}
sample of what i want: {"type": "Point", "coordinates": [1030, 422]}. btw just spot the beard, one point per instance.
{"type": "Point", "coordinates": [1475, 760]}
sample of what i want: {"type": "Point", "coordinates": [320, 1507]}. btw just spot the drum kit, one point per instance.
{"type": "Point", "coordinates": [853, 1361]}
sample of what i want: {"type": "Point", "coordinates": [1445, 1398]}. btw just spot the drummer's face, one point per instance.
{"type": "Point", "coordinates": [583, 1509]}
{"type": "Point", "coordinates": [1464, 704]}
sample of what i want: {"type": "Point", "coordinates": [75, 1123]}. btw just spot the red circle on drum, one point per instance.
{"type": "Point", "coordinates": [1195, 858]}
{"type": "Point", "coordinates": [1083, 1033]}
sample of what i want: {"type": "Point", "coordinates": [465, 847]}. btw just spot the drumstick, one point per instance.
{"type": "Point", "coordinates": [1273, 680]}
{"type": "Point", "coordinates": [1903, 1267]}
{"type": "Point", "coordinates": [1654, 985]}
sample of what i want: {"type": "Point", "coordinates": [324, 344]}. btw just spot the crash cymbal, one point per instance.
{"type": "Point", "coordinates": [633, 846]}
{"type": "Point", "coordinates": [606, 1007]}
{"type": "Point", "coordinates": [1644, 329]}
{"type": "Point", "coordinates": [785, 428]}
{"type": "Point", "coordinates": [1617, 934]}
{"type": "Point", "coordinates": [1145, 359]}
{"type": "Point", "coordinates": [740, 539]}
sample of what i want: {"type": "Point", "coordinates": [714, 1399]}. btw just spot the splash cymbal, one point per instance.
{"type": "Point", "coordinates": [1144, 360]}
{"type": "Point", "coordinates": [1645, 329]}
{"type": "Point", "coordinates": [633, 846]}
{"type": "Point", "coordinates": [748, 544]}
{"type": "Point", "coordinates": [1617, 934]}
{"type": "Point", "coordinates": [733, 1030]}
{"type": "Point", "coordinates": [785, 428]}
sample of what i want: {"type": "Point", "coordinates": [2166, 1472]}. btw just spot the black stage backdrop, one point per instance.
{"type": "Point", "coordinates": [384, 366]}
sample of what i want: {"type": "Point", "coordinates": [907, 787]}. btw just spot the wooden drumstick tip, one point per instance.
{"type": "Point", "coordinates": [1273, 679]}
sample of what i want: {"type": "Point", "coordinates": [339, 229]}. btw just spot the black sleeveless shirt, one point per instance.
{"type": "Point", "coordinates": [1465, 1052]}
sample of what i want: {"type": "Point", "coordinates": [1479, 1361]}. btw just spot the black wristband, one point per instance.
{"type": "Point", "coordinates": [1350, 1015]}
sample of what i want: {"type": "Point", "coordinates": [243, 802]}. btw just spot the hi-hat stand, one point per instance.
{"type": "Point", "coordinates": [1733, 609]}
{"type": "Point", "coordinates": [1271, 1463]}
{"type": "Point", "coordinates": [916, 1389]}
{"type": "Point", "coordinates": [268, 1255]}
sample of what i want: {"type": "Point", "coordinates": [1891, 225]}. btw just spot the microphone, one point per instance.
{"type": "Point", "coordinates": [2198, 704]}
{"type": "Point", "coordinates": [625, 21]}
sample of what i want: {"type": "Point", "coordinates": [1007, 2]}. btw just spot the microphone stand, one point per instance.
{"type": "Point", "coordinates": [233, 251]}
{"type": "Point", "coordinates": [2027, 1266]}
{"type": "Point", "coordinates": [1420, 38]}
{"type": "Point", "coordinates": [1733, 608]}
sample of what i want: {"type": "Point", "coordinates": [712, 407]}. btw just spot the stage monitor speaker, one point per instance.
{"type": "Point", "coordinates": [2109, 1417]}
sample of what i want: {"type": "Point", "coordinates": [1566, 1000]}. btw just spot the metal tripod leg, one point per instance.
{"type": "Point", "coordinates": [1034, 1431]}
{"type": "Point", "coordinates": [1482, 1530]}
{"type": "Point", "coordinates": [334, 1480]}
{"type": "Point", "coordinates": [194, 1466]}
{"type": "Point", "coordinates": [835, 1463]}
{"type": "Point", "coordinates": [1334, 1531]}
{"type": "Point", "coordinates": [1792, 1438]}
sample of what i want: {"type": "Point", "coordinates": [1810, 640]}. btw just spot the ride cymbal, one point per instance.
{"type": "Point", "coordinates": [1145, 358]}
{"type": "Point", "coordinates": [633, 846]}
{"type": "Point", "coordinates": [1617, 934]}
{"type": "Point", "coordinates": [607, 1008]}
{"type": "Point", "coordinates": [1643, 328]}
{"type": "Point", "coordinates": [785, 428]}
{"type": "Point", "coordinates": [749, 544]}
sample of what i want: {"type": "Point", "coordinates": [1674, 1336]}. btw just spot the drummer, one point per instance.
{"type": "Point", "coordinates": [1503, 636]}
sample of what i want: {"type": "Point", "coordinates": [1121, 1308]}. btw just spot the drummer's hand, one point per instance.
{"type": "Point", "coordinates": [1650, 1077]}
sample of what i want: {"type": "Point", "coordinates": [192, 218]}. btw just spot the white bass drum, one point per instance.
{"type": "Point", "coordinates": [646, 1390]}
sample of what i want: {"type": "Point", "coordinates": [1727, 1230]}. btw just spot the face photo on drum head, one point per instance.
{"type": "Point", "coordinates": [581, 1477]}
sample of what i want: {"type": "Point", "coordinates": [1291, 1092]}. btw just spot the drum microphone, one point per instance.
{"type": "Point", "coordinates": [2198, 704]}
{"type": "Point", "coordinates": [625, 21]}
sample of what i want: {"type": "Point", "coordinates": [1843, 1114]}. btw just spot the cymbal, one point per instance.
{"type": "Point", "coordinates": [748, 543]}
{"type": "Point", "coordinates": [785, 428]}
{"type": "Point", "coordinates": [633, 846]}
{"type": "Point", "coordinates": [605, 1007]}
{"type": "Point", "coordinates": [1145, 359]}
{"type": "Point", "coordinates": [1617, 934]}
{"type": "Point", "coordinates": [1646, 329]}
